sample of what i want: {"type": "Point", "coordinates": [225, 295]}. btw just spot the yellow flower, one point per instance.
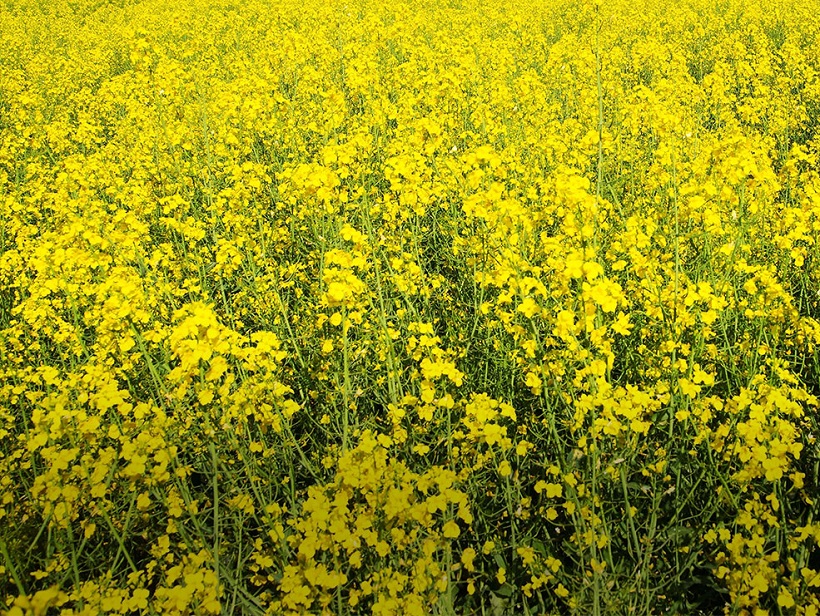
{"type": "Point", "coordinates": [451, 529]}
{"type": "Point", "coordinates": [467, 558]}
{"type": "Point", "coordinates": [622, 325]}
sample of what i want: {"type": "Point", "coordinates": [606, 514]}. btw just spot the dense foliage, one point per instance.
{"type": "Point", "coordinates": [409, 307]}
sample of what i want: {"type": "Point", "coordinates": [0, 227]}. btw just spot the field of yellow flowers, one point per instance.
{"type": "Point", "coordinates": [409, 307]}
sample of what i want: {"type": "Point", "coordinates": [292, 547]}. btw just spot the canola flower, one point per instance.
{"type": "Point", "coordinates": [409, 307]}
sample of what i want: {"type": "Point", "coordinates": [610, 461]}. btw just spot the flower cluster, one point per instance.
{"type": "Point", "coordinates": [409, 307]}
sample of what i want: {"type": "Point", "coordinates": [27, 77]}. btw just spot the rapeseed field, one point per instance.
{"type": "Point", "coordinates": [410, 307]}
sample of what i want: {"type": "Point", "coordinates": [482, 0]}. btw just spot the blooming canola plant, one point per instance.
{"type": "Point", "coordinates": [412, 307]}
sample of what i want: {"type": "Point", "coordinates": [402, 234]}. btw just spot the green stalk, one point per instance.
{"type": "Point", "coordinates": [21, 589]}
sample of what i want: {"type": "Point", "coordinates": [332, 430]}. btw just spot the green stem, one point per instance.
{"type": "Point", "coordinates": [12, 569]}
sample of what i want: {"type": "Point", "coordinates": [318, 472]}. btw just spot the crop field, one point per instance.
{"type": "Point", "coordinates": [409, 307]}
